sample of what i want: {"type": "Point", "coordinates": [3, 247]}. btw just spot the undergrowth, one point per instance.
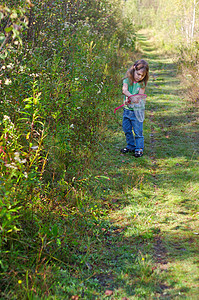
{"type": "Point", "coordinates": [71, 225]}
{"type": "Point", "coordinates": [188, 66]}
{"type": "Point", "coordinates": [58, 64]}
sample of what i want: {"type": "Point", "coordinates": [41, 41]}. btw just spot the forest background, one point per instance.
{"type": "Point", "coordinates": [61, 64]}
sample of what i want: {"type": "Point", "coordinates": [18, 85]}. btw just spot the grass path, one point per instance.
{"type": "Point", "coordinates": [173, 152]}
{"type": "Point", "coordinates": [146, 245]}
{"type": "Point", "coordinates": [158, 194]}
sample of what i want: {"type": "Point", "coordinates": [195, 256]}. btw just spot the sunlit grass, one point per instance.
{"type": "Point", "coordinates": [126, 225]}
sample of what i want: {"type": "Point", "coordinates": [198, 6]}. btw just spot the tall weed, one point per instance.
{"type": "Point", "coordinates": [57, 82]}
{"type": "Point", "coordinates": [188, 64]}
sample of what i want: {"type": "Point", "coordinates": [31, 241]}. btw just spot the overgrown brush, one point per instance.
{"type": "Point", "coordinates": [188, 64]}
{"type": "Point", "coordinates": [58, 65]}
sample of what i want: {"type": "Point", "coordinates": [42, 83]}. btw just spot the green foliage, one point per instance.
{"type": "Point", "coordinates": [173, 22]}
{"type": "Point", "coordinates": [77, 218]}
{"type": "Point", "coordinates": [58, 78]}
{"type": "Point", "coordinates": [13, 22]}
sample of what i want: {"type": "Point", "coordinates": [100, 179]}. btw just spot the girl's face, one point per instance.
{"type": "Point", "coordinates": [139, 75]}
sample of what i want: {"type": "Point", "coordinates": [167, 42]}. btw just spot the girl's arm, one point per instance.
{"type": "Point", "coordinates": [142, 91]}
{"type": "Point", "coordinates": [126, 92]}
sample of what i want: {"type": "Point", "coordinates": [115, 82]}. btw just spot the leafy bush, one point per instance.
{"type": "Point", "coordinates": [58, 63]}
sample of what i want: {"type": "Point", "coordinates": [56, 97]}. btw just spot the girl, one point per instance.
{"type": "Point", "coordinates": [134, 83]}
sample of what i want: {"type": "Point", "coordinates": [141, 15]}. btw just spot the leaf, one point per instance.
{"type": "Point", "coordinates": [28, 136]}
{"type": "Point", "coordinates": [28, 99]}
{"type": "Point", "coordinates": [8, 29]}
{"type": "Point", "coordinates": [58, 242]}
{"type": "Point", "coordinates": [101, 176]}
{"type": "Point", "coordinates": [25, 113]}
{"type": "Point", "coordinates": [27, 106]}
{"type": "Point", "coordinates": [34, 147]}
{"type": "Point", "coordinates": [108, 292]}
{"type": "Point", "coordinates": [39, 122]}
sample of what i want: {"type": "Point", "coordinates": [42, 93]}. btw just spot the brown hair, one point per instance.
{"type": "Point", "coordinates": [138, 65]}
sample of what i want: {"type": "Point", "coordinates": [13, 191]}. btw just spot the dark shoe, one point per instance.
{"type": "Point", "coordinates": [138, 153]}
{"type": "Point", "coordinates": [126, 150]}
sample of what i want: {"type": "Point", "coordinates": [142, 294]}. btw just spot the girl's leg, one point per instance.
{"type": "Point", "coordinates": [138, 131]}
{"type": "Point", "coordinates": [127, 127]}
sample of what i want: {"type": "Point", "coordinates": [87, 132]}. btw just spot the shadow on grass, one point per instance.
{"type": "Point", "coordinates": [119, 266]}
{"type": "Point", "coordinates": [173, 131]}
{"type": "Point", "coordinates": [107, 256]}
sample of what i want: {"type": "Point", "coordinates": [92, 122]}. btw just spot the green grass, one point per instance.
{"type": "Point", "coordinates": [144, 241]}
{"type": "Point", "coordinates": [136, 226]}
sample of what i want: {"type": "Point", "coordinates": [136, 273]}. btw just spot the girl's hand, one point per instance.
{"type": "Point", "coordinates": [133, 99]}
{"type": "Point", "coordinates": [127, 101]}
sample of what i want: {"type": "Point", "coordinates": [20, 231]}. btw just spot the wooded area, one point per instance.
{"type": "Point", "coordinates": [61, 70]}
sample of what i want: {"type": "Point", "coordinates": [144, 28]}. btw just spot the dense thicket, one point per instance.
{"type": "Point", "coordinates": [58, 62]}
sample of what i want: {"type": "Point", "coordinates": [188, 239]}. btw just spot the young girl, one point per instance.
{"type": "Point", "coordinates": [134, 83]}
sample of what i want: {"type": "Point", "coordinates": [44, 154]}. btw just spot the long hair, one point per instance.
{"type": "Point", "coordinates": [138, 65]}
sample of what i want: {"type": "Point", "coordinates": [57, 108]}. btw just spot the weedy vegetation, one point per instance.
{"type": "Point", "coordinates": [78, 220]}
